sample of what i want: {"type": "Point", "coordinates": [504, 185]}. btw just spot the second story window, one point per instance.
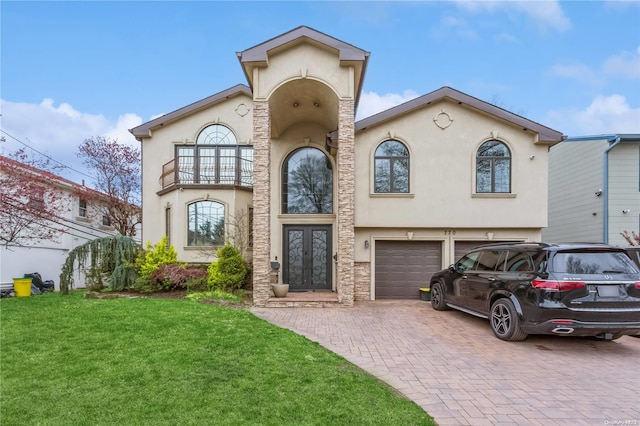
{"type": "Point", "coordinates": [216, 159]}
{"type": "Point", "coordinates": [493, 168]}
{"type": "Point", "coordinates": [82, 210]}
{"type": "Point", "coordinates": [106, 220]}
{"type": "Point", "coordinates": [391, 168]}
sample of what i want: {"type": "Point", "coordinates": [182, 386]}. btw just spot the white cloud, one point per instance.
{"type": "Point", "coordinates": [605, 115]}
{"type": "Point", "coordinates": [57, 131]}
{"type": "Point", "coordinates": [545, 14]}
{"type": "Point", "coordinates": [626, 65]}
{"type": "Point", "coordinates": [578, 72]}
{"type": "Point", "coordinates": [372, 103]}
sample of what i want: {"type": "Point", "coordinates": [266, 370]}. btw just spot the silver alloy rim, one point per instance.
{"type": "Point", "coordinates": [501, 319]}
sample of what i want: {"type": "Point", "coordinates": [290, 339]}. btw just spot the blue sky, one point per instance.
{"type": "Point", "coordinates": [78, 69]}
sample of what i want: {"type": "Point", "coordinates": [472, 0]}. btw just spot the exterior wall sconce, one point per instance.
{"type": "Point", "coordinates": [625, 211]}
{"type": "Point", "coordinates": [366, 244]}
{"type": "Point", "coordinates": [296, 104]}
{"type": "Point", "coordinates": [598, 192]}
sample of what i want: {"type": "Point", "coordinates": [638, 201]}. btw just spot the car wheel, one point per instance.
{"type": "Point", "coordinates": [437, 297]}
{"type": "Point", "coordinates": [505, 322]}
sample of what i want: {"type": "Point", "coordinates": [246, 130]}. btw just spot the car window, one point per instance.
{"type": "Point", "coordinates": [519, 262]}
{"type": "Point", "coordinates": [467, 261]}
{"type": "Point", "coordinates": [488, 260]}
{"type": "Point", "coordinates": [595, 262]}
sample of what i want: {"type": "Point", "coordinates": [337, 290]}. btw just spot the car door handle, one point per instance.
{"type": "Point", "coordinates": [464, 277]}
{"type": "Point", "coordinates": [492, 279]}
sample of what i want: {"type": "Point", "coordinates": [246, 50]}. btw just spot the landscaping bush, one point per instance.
{"type": "Point", "coordinates": [228, 273]}
{"type": "Point", "coordinates": [149, 261]}
{"type": "Point", "coordinates": [174, 277]}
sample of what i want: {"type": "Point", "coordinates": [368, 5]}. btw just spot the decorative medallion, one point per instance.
{"type": "Point", "coordinates": [443, 120]}
{"type": "Point", "coordinates": [242, 109]}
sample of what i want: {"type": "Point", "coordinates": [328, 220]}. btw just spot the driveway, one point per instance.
{"type": "Point", "coordinates": [451, 365]}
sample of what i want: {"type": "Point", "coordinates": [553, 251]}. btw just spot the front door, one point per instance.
{"type": "Point", "coordinates": [307, 258]}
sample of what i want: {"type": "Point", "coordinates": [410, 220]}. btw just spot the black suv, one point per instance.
{"type": "Point", "coordinates": [539, 288]}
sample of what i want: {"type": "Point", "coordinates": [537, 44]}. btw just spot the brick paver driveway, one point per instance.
{"type": "Point", "coordinates": [451, 365]}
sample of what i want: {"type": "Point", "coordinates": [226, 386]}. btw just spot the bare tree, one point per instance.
{"type": "Point", "coordinates": [238, 233]}
{"type": "Point", "coordinates": [116, 170]}
{"type": "Point", "coordinates": [633, 239]}
{"type": "Point", "coordinates": [31, 201]}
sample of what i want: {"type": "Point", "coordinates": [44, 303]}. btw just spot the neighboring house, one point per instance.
{"type": "Point", "coordinates": [76, 219]}
{"type": "Point", "coordinates": [366, 210]}
{"type": "Point", "coordinates": [594, 189]}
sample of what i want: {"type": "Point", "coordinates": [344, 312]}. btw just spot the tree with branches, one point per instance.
{"type": "Point", "coordinates": [31, 202]}
{"type": "Point", "coordinates": [632, 238]}
{"type": "Point", "coordinates": [116, 170]}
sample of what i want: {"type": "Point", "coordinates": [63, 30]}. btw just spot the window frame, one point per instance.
{"type": "Point", "coordinates": [391, 159]}
{"type": "Point", "coordinates": [222, 216]}
{"type": "Point", "coordinates": [493, 159]}
{"type": "Point", "coordinates": [284, 182]}
{"type": "Point", "coordinates": [238, 172]}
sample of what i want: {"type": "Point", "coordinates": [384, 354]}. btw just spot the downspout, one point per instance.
{"type": "Point", "coordinates": [606, 188]}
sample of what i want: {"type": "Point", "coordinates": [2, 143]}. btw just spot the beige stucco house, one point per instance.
{"type": "Point", "coordinates": [349, 210]}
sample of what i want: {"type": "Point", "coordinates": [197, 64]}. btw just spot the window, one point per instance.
{"type": "Point", "coordinates": [307, 183]}
{"type": "Point", "coordinates": [391, 168]}
{"type": "Point", "coordinates": [205, 224]}
{"type": "Point", "coordinates": [106, 220]}
{"type": "Point", "coordinates": [167, 224]}
{"type": "Point", "coordinates": [36, 200]}
{"type": "Point", "coordinates": [216, 159]}
{"type": "Point", "coordinates": [467, 261]}
{"type": "Point", "coordinates": [493, 168]}
{"type": "Point", "coordinates": [82, 210]}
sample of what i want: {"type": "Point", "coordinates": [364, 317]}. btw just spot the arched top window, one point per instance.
{"type": "Point", "coordinates": [216, 159]}
{"type": "Point", "coordinates": [205, 224]}
{"type": "Point", "coordinates": [391, 167]}
{"type": "Point", "coordinates": [493, 168]}
{"type": "Point", "coordinates": [307, 183]}
{"type": "Point", "coordinates": [216, 134]}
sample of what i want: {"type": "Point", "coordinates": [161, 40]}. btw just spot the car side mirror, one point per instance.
{"type": "Point", "coordinates": [452, 268]}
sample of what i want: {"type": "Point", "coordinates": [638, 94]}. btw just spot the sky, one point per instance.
{"type": "Point", "coordinates": [75, 70]}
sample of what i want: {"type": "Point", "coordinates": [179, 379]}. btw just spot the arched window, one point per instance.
{"type": "Point", "coordinates": [206, 224]}
{"type": "Point", "coordinates": [307, 183]}
{"type": "Point", "coordinates": [216, 159]}
{"type": "Point", "coordinates": [493, 168]}
{"type": "Point", "coordinates": [391, 167]}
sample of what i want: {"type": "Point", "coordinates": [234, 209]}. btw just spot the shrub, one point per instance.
{"type": "Point", "coordinates": [229, 271]}
{"type": "Point", "coordinates": [151, 258]}
{"type": "Point", "coordinates": [174, 277]}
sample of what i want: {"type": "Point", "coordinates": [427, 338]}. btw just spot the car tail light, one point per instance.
{"type": "Point", "coordinates": [637, 285]}
{"type": "Point", "coordinates": [558, 285]}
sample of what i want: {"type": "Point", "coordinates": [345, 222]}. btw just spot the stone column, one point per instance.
{"type": "Point", "coordinates": [261, 202]}
{"type": "Point", "coordinates": [346, 202]}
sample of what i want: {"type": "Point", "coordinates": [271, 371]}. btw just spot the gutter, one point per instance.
{"type": "Point", "coordinates": [616, 140]}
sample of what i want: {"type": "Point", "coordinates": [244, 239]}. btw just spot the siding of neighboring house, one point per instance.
{"type": "Point", "coordinates": [576, 175]}
{"type": "Point", "coordinates": [47, 257]}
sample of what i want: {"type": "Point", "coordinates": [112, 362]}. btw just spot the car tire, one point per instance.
{"type": "Point", "coordinates": [437, 297]}
{"type": "Point", "coordinates": [505, 322]}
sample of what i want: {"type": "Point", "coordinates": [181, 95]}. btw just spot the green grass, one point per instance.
{"type": "Point", "coordinates": [66, 360]}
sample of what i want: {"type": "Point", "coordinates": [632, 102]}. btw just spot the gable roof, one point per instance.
{"type": "Point", "coordinates": [144, 130]}
{"type": "Point", "coordinates": [348, 54]}
{"type": "Point", "coordinates": [545, 134]}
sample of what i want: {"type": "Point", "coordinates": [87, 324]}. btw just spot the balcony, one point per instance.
{"type": "Point", "coordinates": [233, 172]}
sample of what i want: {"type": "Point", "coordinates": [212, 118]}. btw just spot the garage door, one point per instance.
{"type": "Point", "coordinates": [402, 267]}
{"type": "Point", "coordinates": [462, 247]}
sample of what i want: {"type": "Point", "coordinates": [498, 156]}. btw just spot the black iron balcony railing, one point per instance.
{"type": "Point", "coordinates": [233, 171]}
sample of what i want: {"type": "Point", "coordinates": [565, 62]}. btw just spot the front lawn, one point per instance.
{"type": "Point", "coordinates": [66, 360]}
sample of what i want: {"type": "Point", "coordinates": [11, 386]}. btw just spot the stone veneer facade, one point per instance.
{"type": "Point", "coordinates": [362, 284]}
{"type": "Point", "coordinates": [346, 202]}
{"type": "Point", "coordinates": [261, 203]}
